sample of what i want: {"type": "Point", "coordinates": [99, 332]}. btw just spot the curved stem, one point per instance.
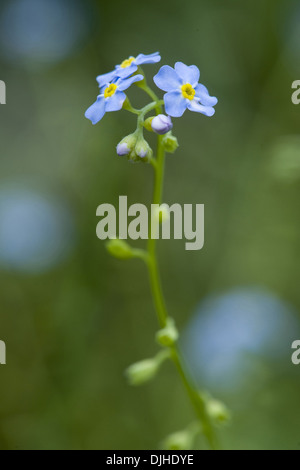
{"type": "Point", "coordinates": [150, 92]}
{"type": "Point", "coordinates": [144, 86]}
{"type": "Point", "coordinates": [128, 107]}
{"type": "Point", "coordinates": [197, 401]}
{"type": "Point", "coordinates": [142, 113]}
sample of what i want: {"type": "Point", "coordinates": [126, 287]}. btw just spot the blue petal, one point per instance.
{"type": "Point", "coordinates": [115, 102]}
{"type": "Point", "coordinates": [106, 78]}
{"type": "Point", "coordinates": [175, 104]}
{"type": "Point", "coordinates": [127, 71]}
{"type": "Point", "coordinates": [124, 84]}
{"type": "Point", "coordinates": [96, 112]}
{"type": "Point", "coordinates": [103, 88]}
{"type": "Point", "coordinates": [188, 74]}
{"type": "Point", "coordinates": [148, 59]}
{"type": "Point", "coordinates": [198, 108]}
{"type": "Point", "coordinates": [167, 79]}
{"type": "Point", "coordinates": [205, 98]}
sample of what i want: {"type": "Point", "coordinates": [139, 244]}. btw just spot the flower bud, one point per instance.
{"type": "Point", "coordinates": [168, 335]}
{"type": "Point", "coordinates": [135, 147]}
{"type": "Point", "coordinates": [182, 440]}
{"type": "Point", "coordinates": [170, 143]}
{"type": "Point", "coordinates": [147, 124]}
{"type": "Point", "coordinates": [119, 249]}
{"type": "Point", "coordinates": [162, 124]}
{"type": "Point", "coordinates": [142, 149]}
{"type": "Point", "coordinates": [218, 412]}
{"type": "Point", "coordinates": [133, 158]}
{"type": "Point", "coordinates": [143, 371]}
{"type": "Point", "coordinates": [126, 145]}
{"type": "Point", "coordinates": [123, 149]}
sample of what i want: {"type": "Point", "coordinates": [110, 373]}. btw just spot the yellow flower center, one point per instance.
{"type": "Point", "coordinates": [188, 91]}
{"type": "Point", "coordinates": [127, 62]}
{"type": "Point", "coordinates": [110, 90]}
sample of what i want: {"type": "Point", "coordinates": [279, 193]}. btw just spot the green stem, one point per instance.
{"type": "Point", "coordinates": [146, 110]}
{"type": "Point", "coordinates": [128, 107]}
{"type": "Point", "coordinates": [152, 262]}
{"type": "Point", "coordinates": [144, 86]}
{"type": "Point", "coordinates": [152, 95]}
{"type": "Point", "coordinates": [160, 305]}
{"type": "Point", "coordinates": [196, 400]}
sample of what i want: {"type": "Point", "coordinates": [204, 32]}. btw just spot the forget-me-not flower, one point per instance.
{"type": "Point", "coordinates": [184, 90]}
{"type": "Point", "coordinates": [128, 67]}
{"type": "Point", "coordinates": [111, 98]}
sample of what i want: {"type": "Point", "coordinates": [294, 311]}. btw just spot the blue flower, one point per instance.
{"type": "Point", "coordinates": [184, 91]}
{"type": "Point", "coordinates": [111, 98]}
{"type": "Point", "coordinates": [128, 67]}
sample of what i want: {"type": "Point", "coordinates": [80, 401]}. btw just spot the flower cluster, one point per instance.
{"type": "Point", "coordinates": [183, 91]}
{"type": "Point", "coordinates": [113, 84]}
{"type": "Point", "coordinates": [135, 147]}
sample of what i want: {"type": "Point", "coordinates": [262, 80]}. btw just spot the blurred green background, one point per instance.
{"type": "Point", "coordinates": [72, 317]}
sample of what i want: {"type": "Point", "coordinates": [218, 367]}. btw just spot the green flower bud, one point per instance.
{"type": "Point", "coordinates": [141, 372]}
{"type": "Point", "coordinates": [168, 335]}
{"type": "Point", "coordinates": [147, 124]}
{"type": "Point", "coordinates": [135, 147]}
{"type": "Point", "coordinates": [134, 158]}
{"type": "Point", "coordinates": [127, 145]}
{"type": "Point", "coordinates": [120, 249]}
{"type": "Point", "coordinates": [217, 411]}
{"type": "Point", "coordinates": [182, 440]}
{"type": "Point", "coordinates": [143, 150]}
{"type": "Point", "coordinates": [178, 441]}
{"type": "Point", "coordinates": [144, 371]}
{"type": "Point", "coordinates": [170, 143]}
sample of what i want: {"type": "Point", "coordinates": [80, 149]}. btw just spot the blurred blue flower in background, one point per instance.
{"type": "Point", "coordinates": [36, 231]}
{"type": "Point", "coordinates": [42, 31]}
{"type": "Point", "coordinates": [232, 335]}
